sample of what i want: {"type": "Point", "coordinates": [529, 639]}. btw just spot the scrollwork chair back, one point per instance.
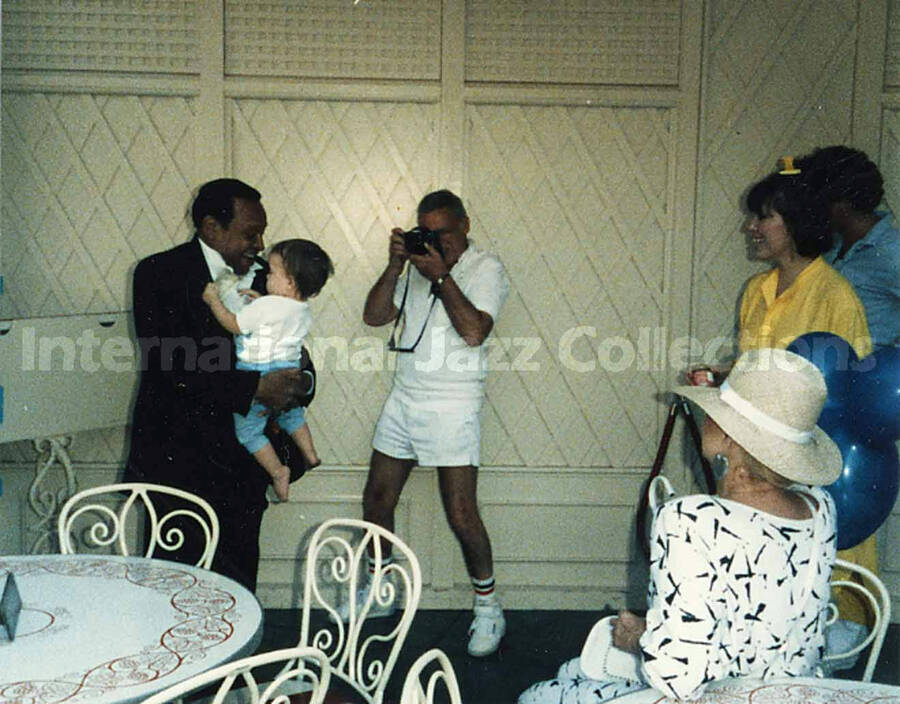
{"type": "Point", "coordinates": [239, 681]}
{"type": "Point", "coordinates": [413, 690]}
{"type": "Point", "coordinates": [335, 558]}
{"type": "Point", "coordinates": [99, 518]}
{"type": "Point", "coordinates": [872, 590]}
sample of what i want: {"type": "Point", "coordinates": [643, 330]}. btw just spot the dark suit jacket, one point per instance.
{"type": "Point", "coordinates": [182, 426]}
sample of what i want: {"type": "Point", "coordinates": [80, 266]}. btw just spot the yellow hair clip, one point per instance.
{"type": "Point", "coordinates": [787, 166]}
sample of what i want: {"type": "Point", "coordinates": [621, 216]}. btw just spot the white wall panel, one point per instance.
{"type": "Point", "coordinates": [892, 49]}
{"type": "Point", "coordinates": [95, 35]}
{"type": "Point", "coordinates": [342, 174]}
{"type": "Point", "coordinates": [384, 39]}
{"type": "Point", "coordinates": [573, 41]}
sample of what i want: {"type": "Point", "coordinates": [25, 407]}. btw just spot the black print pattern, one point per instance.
{"type": "Point", "coordinates": [730, 596]}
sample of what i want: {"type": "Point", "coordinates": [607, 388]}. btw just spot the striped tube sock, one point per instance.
{"type": "Point", "coordinates": [385, 561]}
{"type": "Point", "coordinates": [484, 590]}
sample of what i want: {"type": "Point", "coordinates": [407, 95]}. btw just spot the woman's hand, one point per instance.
{"type": "Point", "coordinates": [700, 376]}
{"type": "Point", "coordinates": [706, 374]}
{"type": "Point", "coordinates": [627, 631]}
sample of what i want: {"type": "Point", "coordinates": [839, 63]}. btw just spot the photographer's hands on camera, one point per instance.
{"type": "Point", "coordinates": [397, 251]}
{"type": "Point", "coordinates": [431, 265]}
{"type": "Point", "coordinates": [470, 323]}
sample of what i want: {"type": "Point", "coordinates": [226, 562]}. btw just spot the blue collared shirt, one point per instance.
{"type": "Point", "coordinates": [872, 265]}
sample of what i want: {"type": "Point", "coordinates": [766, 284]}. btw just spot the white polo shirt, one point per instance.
{"type": "Point", "coordinates": [443, 366]}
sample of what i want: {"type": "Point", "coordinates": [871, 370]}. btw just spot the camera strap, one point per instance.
{"type": "Point", "coordinates": [392, 345]}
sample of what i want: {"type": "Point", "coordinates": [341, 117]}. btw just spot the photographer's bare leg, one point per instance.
{"type": "Point", "coordinates": [387, 477]}
{"type": "Point", "coordinates": [458, 487]}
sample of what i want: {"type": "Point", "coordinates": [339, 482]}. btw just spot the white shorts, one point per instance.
{"type": "Point", "coordinates": [447, 434]}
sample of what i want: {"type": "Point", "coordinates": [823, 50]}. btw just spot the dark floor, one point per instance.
{"type": "Point", "coordinates": [536, 643]}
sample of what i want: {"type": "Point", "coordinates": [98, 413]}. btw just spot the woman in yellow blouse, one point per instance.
{"type": "Point", "coordinates": [802, 293]}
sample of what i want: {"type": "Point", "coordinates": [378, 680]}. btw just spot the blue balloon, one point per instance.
{"type": "Point", "coordinates": [865, 492]}
{"type": "Point", "coordinates": [874, 395]}
{"type": "Point", "coordinates": [834, 357]}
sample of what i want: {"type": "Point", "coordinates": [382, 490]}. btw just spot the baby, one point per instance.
{"type": "Point", "coordinates": [270, 331]}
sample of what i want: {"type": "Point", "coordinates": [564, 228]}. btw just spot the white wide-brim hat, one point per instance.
{"type": "Point", "coordinates": [769, 405]}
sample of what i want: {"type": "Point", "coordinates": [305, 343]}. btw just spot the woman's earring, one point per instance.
{"type": "Point", "coordinates": [719, 466]}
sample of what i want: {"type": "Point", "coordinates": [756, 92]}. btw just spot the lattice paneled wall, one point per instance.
{"type": "Point", "coordinates": [91, 183]}
{"type": "Point", "coordinates": [779, 80]}
{"type": "Point", "coordinates": [890, 157]}
{"type": "Point", "coordinates": [577, 202]}
{"type": "Point", "coordinates": [342, 174]}
{"type": "Point", "coordinates": [345, 174]}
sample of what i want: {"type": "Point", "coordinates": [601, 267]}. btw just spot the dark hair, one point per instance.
{"type": "Point", "coordinates": [216, 199]}
{"type": "Point", "coordinates": [840, 173]}
{"type": "Point", "coordinates": [439, 200]}
{"type": "Point", "coordinates": [803, 212]}
{"type": "Point", "coordinates": [306, 263]}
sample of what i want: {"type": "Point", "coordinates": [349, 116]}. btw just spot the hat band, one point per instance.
{"type": "Point", "coordinates": [760, 418]}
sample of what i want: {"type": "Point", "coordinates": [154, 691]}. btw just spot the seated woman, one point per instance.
{"type": "Point", "coordinates": [738, 581]}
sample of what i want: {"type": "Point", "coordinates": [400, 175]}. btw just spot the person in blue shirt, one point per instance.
{"type": "Point", "coordinates": [867, 253]}
{"type": "Point", "coordinates": [867, 247]}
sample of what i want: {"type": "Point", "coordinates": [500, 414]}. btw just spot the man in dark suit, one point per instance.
{"type": "Point", "coordinates": [182, 426]}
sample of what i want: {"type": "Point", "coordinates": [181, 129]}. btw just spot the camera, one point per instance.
{"type": "Point", "coordinates": [415, 240]}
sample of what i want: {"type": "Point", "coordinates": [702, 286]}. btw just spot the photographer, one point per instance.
{"type": "Point", "coordinates": [447, 304]}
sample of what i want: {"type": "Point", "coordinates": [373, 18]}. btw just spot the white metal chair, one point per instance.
{"type": "Point", "coordinates": [873, 591]}
{"type": "Point", "coordinates": [659, 491]}
{"type": "Point", "coordinates": [413, 691]}
{"type": "Point", "coordinates": [99, 518]}
{"type": "Point", "coordinates": [335, 558]}
{"type": "Point", "coordinates": [239, 674]}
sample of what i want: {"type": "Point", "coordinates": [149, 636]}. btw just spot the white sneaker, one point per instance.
{"type": "Point", "coordinates": [487, 629]}
{"type": "Point", "coordinates": [376, 609]}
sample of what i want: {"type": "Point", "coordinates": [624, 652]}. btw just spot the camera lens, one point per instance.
{"type": "Point", "coordinates": [414, 240]}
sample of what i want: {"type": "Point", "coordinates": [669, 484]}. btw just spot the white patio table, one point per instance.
{"type": "Point", "coordinates": [112, 630]}
{"type": "Point", "coordinates": [788, 690]}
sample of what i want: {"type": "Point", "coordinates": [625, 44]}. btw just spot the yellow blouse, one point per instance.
{"type": "Point", "coordinates": [819, 300]}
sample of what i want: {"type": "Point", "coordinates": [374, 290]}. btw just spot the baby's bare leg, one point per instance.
{"type": "Point", "coordinates": [281, 475]}
{"type": "Point", "coordinates": [304, 441]}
